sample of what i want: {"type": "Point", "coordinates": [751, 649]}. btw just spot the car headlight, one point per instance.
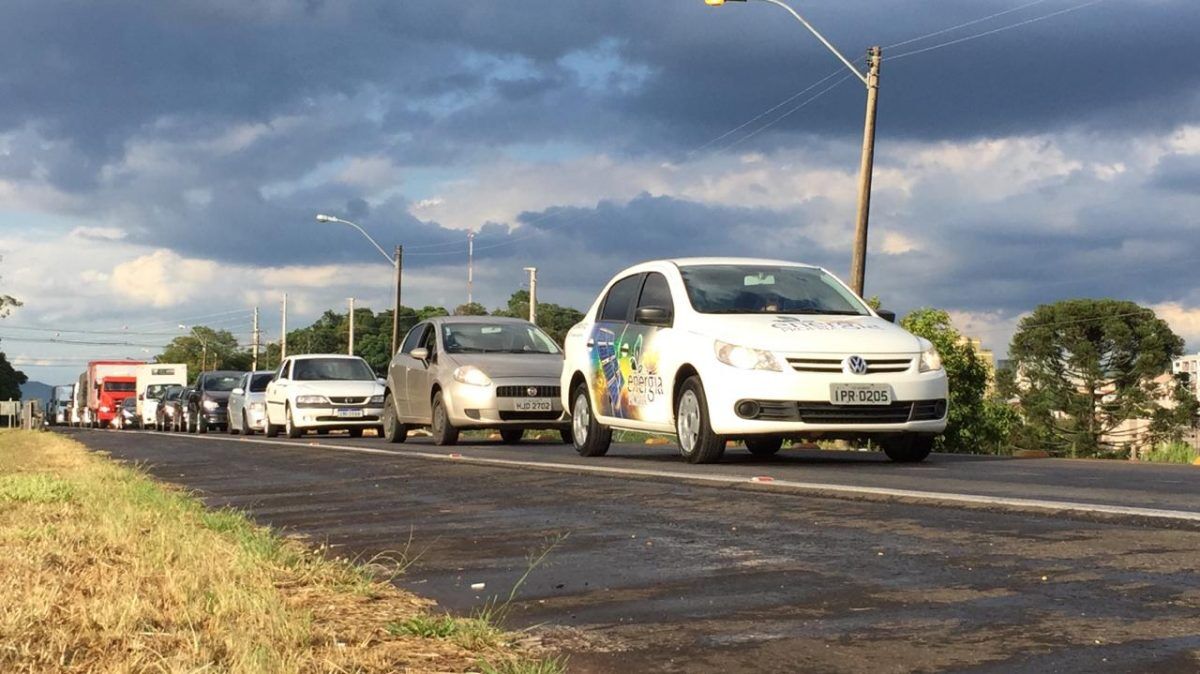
{"type": "Point", "coordinates": [258, 407]}
{"type": "Point", "coordinates": [104, 408]}
{"type": "Point", "coordinates": [469, 374]}
{"type": "Point", "coordinates": [312, 400]}
{"type": "Point", "coordinates": [931, 360]}
{"type": "Point", "coordinates": [210, 405]}
{"type": "Point", "coordinates": [745, 358]}
{"type": "Point", "coordinates": [375, 400]}
{"type": "Point", "coordinates": [170, 411]}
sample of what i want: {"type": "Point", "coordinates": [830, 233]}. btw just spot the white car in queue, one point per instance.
{"type": "Point", "coordinates": [323, 393]}
{"type": "Point", "coordinates": [248, 403]}
{"type": "Point", "coordinates": [717, 349]}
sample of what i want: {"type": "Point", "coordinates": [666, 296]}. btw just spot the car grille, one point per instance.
{"type": "Point", "coordinates": [348, 400]}
{"type": "Point", "coordinates": [834, 365]}
{"type": "Point", "coordinates": [530, 416]}
{"type": "Point", "coordinates": [523, 391]}
{"type": "Point", "coordinates": [828, 413]}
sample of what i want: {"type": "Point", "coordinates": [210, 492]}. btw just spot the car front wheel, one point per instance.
{"type": "Point", "coordinates": [908, 448]}
{"type": "Point", "coordinates": [697, 442]}
{"type": "Point", "coordinates": [588, 436]}
{"type": "Point", "coordinates": [511, 436]}
{"type": "Point", "coordinates": [444, 433]}
{"type": "Point", "coordinates": [393, 430]}
{"type": "Point", "coordinates": [290, 427]}
{"type": "Point", "coordinates": [766, 446]}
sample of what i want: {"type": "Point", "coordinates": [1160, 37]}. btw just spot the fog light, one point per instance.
{"type": "Point", "coordinates": [747, 409]}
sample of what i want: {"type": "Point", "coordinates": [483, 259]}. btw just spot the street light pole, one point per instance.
{"type": "Point", "coordinates": [396, 261]}
{"type": "Point", "coordinates": [532, 294]}
{"type": "Point", "coordinates": [350, 351]}
{"type": "Point", "coordinates": [858, 264]}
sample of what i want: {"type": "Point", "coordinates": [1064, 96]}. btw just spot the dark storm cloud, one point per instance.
{"type": "Point", "coordinates": [1178, 173]}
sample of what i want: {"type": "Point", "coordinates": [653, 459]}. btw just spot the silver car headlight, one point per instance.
{"type": "Point", "coordinates": [258, 407]}
{"type": "Point", "coordinates": [931, 360]}
{"type": "Point", "coordinates": [472, 376]}
{"type": "Point", "coordinates": [312, 400]}
{"type": "Point", "coordinates": [745, 358]}
{"type": "Point", "coordinates": [211, 405]}
{"type": "Point", "coordinates": [375, 400]}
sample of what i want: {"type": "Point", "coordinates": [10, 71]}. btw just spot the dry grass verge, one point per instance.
{"type": "Point", "coordinates": [105, 570]}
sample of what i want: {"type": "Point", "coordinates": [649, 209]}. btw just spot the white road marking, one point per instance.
{"type": "Point", "coordinates": [786, 485]}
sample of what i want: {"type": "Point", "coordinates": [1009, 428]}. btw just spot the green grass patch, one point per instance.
{"type": "Point", "coordinates": [36, 488]}
{"type": "Point", "coordinates": [1171, 452]}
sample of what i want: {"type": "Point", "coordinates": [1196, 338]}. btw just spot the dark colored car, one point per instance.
{"type": "Point", "coordinates": [127, 416]}
{"type": "Point", "coordinates": [208, 402]}
{"type": "Point", "coordinates": [169, 416]}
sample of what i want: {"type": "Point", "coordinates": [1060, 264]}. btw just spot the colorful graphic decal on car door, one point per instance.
{"type": "Point", "coordinates": [627, 383]}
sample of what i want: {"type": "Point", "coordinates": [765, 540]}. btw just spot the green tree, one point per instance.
{"type": "Point", "coordinates": [555, 320]}
{"type": "Point", "coordinates": [471, 309]}
{"type": "Point", "coordinates": [1171, 421]}
{"type": "Point", "coordinates": [976, 423]}
{"type": "Point", "coordinates": [10, 380]}
{"type": "Point", "coordinates": [205, 349]}
{"type": "Point", "coordinates": [1085, 366]}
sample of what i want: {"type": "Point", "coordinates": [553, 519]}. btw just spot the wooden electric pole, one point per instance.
{"type": "Point", "coordinates": [858, 265]}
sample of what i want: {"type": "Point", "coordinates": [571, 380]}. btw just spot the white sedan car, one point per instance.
{"type": "Point", "coordinates": [717, 349]}
{"type": "Point", "coordinates": [323, 393]}
{"type": "Point", "coordinates": [248, 403]}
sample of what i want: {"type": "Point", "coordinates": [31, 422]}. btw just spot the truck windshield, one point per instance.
{"type": "Point", "coordinates": [332, 369]}
{"type": "Point", "coordinates": [767, 289]}
{"type": "Point", "coordinates": [120, 386]}
{"type": "Point", "coordinates": [155, 391]}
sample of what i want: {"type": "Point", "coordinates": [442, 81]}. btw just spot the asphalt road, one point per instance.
{"type": "Point", "coordinates": [668, 567]}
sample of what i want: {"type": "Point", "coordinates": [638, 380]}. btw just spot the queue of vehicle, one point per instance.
{"type": "Point", "coordinates": [710, 350]}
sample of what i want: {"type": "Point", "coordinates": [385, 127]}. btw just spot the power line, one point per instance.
{"type": "Point", "coordinates": [972, 22]}
{"type": "Point", "coordinates": [53, 340]}
{"type": "Point", "coordinates": [993, 31]}
{"type": "Point", "coordinates": [784, 116]}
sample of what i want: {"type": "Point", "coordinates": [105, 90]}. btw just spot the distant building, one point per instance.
{"type": "Point", "coordinates": [1189, 365]}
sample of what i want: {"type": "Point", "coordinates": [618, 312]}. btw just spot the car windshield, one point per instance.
{"type": "Point", "coordinates": [496, 338]}
{"type": "Point", "coordinates": [258, 382]}
{"type": "Point", "coordinates": [224, 382]}
{"type": "Point", "coordinates": [129, 403]}
{"type": "Point", "coordinates": [173, 392]}
{"type": "Point", "coordinates": [767, 289]}
{"type": "Point", "coordinates": [332, 369]}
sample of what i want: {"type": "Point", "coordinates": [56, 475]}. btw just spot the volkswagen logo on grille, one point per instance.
{"type": "Point", "coordinates": [856, 365]}
{"type": "Point", "coordinates": [531, 391]}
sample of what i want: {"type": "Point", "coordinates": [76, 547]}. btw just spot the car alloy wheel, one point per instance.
{"type": "Point", "coordinates": [589, 437]}
{"type": "Point", "coordinates": [581, 418]}
{"type": "Point", "coordinates": [688, 422]}
{"type": "Point", "coordinates": [289, 425]}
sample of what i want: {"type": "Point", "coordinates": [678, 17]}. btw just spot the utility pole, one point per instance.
{"type": "Point", "coordinates": [532, 294]}
{"type": "Point", "coordinates": [470, 267]}
{"type": "Point", "coordinates": [399, 259]}
{"type": "Point", "coordinates": [351, 350]}
{"type": "Point", "coordinates": [858, 265]}
{"type": "Point", "coordinates": [254, 358]}
{"type": "Point", "coordinates": [283, 332]}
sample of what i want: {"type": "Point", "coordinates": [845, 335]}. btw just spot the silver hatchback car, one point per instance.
{"type": "Point", "coordinates": [474, 372]}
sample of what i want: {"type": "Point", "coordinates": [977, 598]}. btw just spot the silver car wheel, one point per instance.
{"type": "Point", "coordinates": [687, 421]}
{"type": "Point", "coordinates": [581, 419]}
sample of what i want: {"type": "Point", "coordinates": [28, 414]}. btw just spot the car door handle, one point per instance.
{"type": "Point", "coordinates": [590, 343]}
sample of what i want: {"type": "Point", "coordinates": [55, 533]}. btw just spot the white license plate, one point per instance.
{"type": "Point", "coordinates": [534, 405]}
{"type": "Point", "coordinates": [860, 394]}
{"type": "Point", "coordinates": [350, 414]}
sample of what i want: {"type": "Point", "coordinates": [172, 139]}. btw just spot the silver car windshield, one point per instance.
{"type": "Point", "coordinates": [755, 289]}
{"type": "Point", "coordinates": [496, 338]}
{"type": "Point", "coordinates": [332, 369]}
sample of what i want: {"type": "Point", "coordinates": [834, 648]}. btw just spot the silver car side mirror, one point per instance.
{"type": "Point", "coordinates": [420, 353]}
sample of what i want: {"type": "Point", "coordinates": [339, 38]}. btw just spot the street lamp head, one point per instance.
{"type": "Point", "coordinates": [321, 217]}
{"type": "Point", "coordinates": [718, 3]}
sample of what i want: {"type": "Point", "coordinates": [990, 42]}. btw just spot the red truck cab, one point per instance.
{"type": "Point", "coordinates": [108, 383]}
{"type": "Point", "coordinates": [113, 391]}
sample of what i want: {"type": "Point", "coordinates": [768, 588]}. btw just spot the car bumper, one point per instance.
{"type": "Point", "coordinates": [506, 402]}
{"type": "Point", "coordinates": [256, 419]}
{"type": "Point", "coordinates": [799, 404]}
{"type": "Point", "coordinates": [215, 417]}
{"type": "Point", "coordinates": [327, 417]}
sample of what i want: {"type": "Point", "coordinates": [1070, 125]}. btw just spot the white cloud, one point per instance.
{"type": "Point", "coordinates": [1184, 320]}
{"type": "Point", "coordinates": [161, 279]}
{"type": "Point", "coordinates": [98, 233]}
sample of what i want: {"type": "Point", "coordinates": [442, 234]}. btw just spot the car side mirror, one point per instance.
{"type": "Point", "coordinates": [420, 353]}
{"type": "Point", "coordinates": [238, 391]}
{"type": "Point", "coordinates": [886, 314]}
{"type": "Point", "coordinates": [656, 316]}
{"type": "Point", "coordinates": [381, 380]}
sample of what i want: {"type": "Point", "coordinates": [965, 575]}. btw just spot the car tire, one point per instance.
{"type": "Point", "coordinates": [246, 430]}
{"type": "Point", "coordinates": [393, 431]}
{"type": "Point", "coordinates": [355, 432]}
{"type": "Point", "coordinates": [444, 433]}
{"type": "Point", "coordinates": [697, 442]}
{"type": "Point", "coordinates": [908, 448]}
{"type": "Point", "coordinates": [292, 430]}
{"type": "Point", "coordinates": [764, 446]}
{"type": "Point", "coordinates": [201, 425]}
{"type": "Point", "coordinates": [511, 436]}
{"type": "Point", "coordinates": [269, 429]}
{"type": "Point", "coordinates": [567, 435]}
{"type": "Point", "coordinates": [588, 436]}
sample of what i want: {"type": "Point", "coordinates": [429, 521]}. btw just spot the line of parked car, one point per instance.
{"type": "Point", "coordinates": [710, 350]}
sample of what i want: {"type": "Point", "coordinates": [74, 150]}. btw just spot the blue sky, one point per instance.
{"type": "Point", "coordinates": [160, 163]}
